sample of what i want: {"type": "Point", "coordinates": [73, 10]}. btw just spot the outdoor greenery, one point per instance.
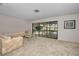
{"type": "Point", "coordinates": [38, 28]}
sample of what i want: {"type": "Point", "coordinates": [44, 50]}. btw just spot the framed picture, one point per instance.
{"type": "Point", "coordinates": [69, 24]}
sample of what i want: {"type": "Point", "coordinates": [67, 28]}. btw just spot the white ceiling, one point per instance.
{"type": "Point", "coordinates": [26, 10]}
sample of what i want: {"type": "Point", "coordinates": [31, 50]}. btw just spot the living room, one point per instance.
{"type": "Point", "coordinates": [39, 29]}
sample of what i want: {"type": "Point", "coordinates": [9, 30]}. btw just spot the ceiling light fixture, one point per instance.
{"type": "Point", "coordinates": [3, 4]}
{"type": "Point", "coordinates": [36, 10]}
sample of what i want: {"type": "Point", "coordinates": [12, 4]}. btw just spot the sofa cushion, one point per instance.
{"type": "Point", "coordinates": [3, 37]}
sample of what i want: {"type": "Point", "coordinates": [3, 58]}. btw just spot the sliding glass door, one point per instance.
{"type": "Point", "coordinates": [47, 29]}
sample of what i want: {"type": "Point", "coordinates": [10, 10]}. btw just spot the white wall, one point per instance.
{"type": "Point", "coordinates": [29, 26]}
{"type": "Point", "coordinates": [11, 24]}
{"type": "Point", "coordinates": [71, 35]}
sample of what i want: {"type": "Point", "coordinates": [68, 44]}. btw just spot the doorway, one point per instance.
{"type": "Point", "coordinates": [49, 29]}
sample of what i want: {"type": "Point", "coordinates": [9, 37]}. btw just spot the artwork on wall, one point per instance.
{"type": "Point", "coordinates": [69, 24]}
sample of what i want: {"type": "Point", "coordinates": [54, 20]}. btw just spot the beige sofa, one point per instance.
{"type": "Point", "coordinates": [9, 43]}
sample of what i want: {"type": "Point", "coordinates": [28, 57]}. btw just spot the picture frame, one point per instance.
{"type": "Point", "coordinates": [69, 24]}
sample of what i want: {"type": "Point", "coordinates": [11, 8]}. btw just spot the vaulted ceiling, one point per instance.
{"type": "Point", "coordinates": [26, 11]}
